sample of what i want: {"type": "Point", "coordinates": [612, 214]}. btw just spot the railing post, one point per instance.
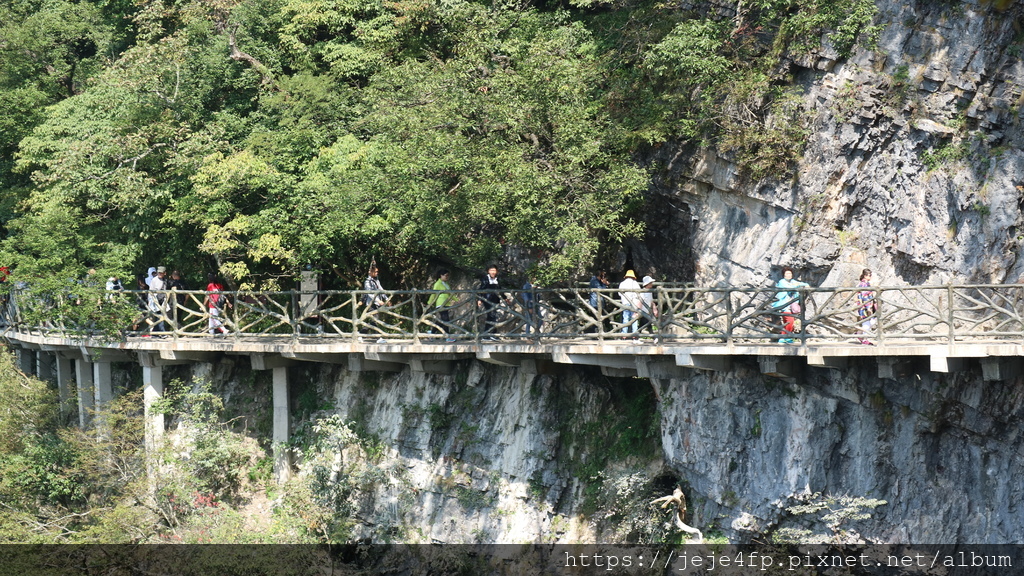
{"type": "Point", "coordinates": [415, 317]}
{"type": "Point", "coordinates": [295, 314]}
{"type": "Point", "coordinates": [355, 315]}
{"type": "Point", "coordinates": [657, 321]}
{"type": "Point", "coordinates": [234, 317]}
{"type": "Point", "coordinates": [802, 315]}
{"type": "Point", "coordinates": [879, 318]}
{"type": "Point", "coordinates": [175, 314]}
{"type": "Point", "coordinates": [949, 304]}
{"type": "Point", "coordinates": [728, 316]}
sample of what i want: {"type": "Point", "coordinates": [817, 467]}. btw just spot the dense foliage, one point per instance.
{"type": "Point", "coordinates": [260, 137]}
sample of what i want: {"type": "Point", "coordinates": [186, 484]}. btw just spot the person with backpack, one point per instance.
{"type": "Point", "coordinates": [787, 303]}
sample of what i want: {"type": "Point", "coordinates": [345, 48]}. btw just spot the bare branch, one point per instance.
{"type": "Point", "coordinates": [240, 56]}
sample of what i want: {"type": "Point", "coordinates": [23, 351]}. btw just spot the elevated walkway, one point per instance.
{"type": "Point", "coordinates": [629, 357]}
{"type": "Point", "coordinates": [938, 328]}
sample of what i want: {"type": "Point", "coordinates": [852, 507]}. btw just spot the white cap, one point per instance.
{"type": "Point", "coordinates": [647, 280]}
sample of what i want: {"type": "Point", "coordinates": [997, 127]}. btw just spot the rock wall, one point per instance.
{"type": "Point", "coordinates": [942, 449]}
{"type": "Point", "coordinates": [487, 454]}
{"type": "Point", "coordinates": [912, 166]}
{"type": "Point", "coordinates": [492, 454]}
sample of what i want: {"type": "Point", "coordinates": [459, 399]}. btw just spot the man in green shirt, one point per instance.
{"type": "Point", "coordinates": [440, 299]}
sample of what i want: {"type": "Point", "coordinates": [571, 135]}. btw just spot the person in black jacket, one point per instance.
{"type": "Point", "coordinates": [490, 297]}
{"type": "Point", "coordinates": [177, 305]}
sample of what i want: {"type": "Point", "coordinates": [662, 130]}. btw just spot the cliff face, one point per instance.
{"type": "Point", "coordinates": [912, 165]}
{"type": "Point", "coordinates": [492, 454]}
{"type": "Point", "coordinates": [942, 450]}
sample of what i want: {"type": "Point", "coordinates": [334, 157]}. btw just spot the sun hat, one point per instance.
{"type": "Point", "coordinates": [630, 274]}
{"type": "Point", "coordinates": [647, 280]}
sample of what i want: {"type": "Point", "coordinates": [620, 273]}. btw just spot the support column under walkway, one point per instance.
{"type": "Point", "coordinates": [65, 376]}
{"type": "Point", "coordinates": [282, 454]}
{"type": "Point", "coordinates": [152, 391]}
{"type": "Point", "coordinates": [86, 394]}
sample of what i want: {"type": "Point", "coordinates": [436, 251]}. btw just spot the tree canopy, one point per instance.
{"type": "Point", "coordinates": [261, 137]}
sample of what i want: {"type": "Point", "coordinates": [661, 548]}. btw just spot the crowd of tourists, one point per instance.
{"type": "Point", "coordinates": [629, 307]}
{"type": "Point", "coordinates": [635, 303]}
{"type": "Point", "coordinates": [161, 298]}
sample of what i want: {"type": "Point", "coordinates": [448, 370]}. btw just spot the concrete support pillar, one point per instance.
{"type": "Point", "coordinates": [64, 376]}
{"type": "Point", "coordinates": [282, 455]}
{"type": "Point", "coordinates": [999, 368]}
{"type": "Point", "coordinates": [103, 391]}
{"type": "Point", "coordinates": [44, 366]}
{"type": "Point", "coordinates": [103, 384]}
{"type": "Point", "coordinates": [152, 390]}
{"type": "Point", "coordinates": [84, 377]}
{"type": "Point", "coordinates": [26, 360]}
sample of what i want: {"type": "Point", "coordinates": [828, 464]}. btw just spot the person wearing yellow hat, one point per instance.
{"type": "Point", "coordinates": [629, 295]}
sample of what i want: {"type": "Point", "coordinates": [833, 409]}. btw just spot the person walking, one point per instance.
{"type": "Point", "coordinates": [787, 303]}
{"type": "Point", "coordinates": [113, 287]}
{"type": "Point", "coordinates": [629, 296]}
{"type": "Point", "coordinates": [215, 303]}
{"type": "Point", "coordinates": [489, 299]}
{"type": "Point", "coordinates": [867, 307]}
{"type": "Point", "coordinates": [374, 298]}
{"type": "Point", "coordinates": [648, 307]}
{"type": "Point", "coordinates": [158, 299]}
{"type": "Point", "coordinates": [597, 282]}
{"type": "Point", "coordinates": [151, 275]}
{"type": "Point", "coordinates": [531, 305]}
{"type": "Point", "coordinates": [142, 302]}
{"type": "Point", "coordinates": [439, 301]}
{"type": "Point", "coordinates": [177, 301]}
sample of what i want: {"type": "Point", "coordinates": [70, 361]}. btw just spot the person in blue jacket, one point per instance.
{"type": "Point", "coordinates": [787, 302]}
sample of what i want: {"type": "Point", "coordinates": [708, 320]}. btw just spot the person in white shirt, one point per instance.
{"type": "Point", "coordinates": [158, 299]}
{"type": "Point", "coordinates": [629, 295]}
{"type": "Point", "coordinates": [648, 307]}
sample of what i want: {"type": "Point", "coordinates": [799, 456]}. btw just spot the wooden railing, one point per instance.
{"type": "Point", "coordinates": [684, 313]}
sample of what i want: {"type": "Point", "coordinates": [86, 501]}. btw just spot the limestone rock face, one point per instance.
{"type": "Point", "coordinates": [912, 167]}
{"type": "Point", "coordinates": [942, 450]}
{"type": "Point", "coordinates": [492, 454]}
